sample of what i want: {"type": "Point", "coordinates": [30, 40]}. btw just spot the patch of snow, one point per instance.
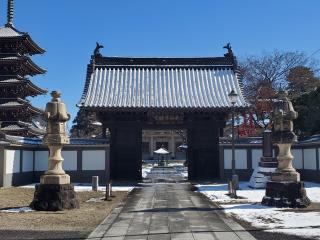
{"type": "Point", "coordinates": [180, 169]}
{"type": "Point", "coordinates": [175, 164]}
{"type": "Point", "coordinates": [95, 200]}
{"type": "Point", "coordinates": [18, 210]}
{"type": "Point", "coordinates": [271, 219]}
{"type": "Point", "coordinates": [83, 187]}
{"type": "Point", "coordinates": [260, 177]}
{"type": "Point", "coordinates": [217, 192]}
{"type": "Point", "coordinates": [146, 168]}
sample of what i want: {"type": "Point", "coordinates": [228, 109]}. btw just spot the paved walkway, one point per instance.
{"type": "Point", "coordinates": [165, 208]}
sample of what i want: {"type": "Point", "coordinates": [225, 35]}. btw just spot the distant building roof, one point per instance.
{"type": "Point", "coordinates": [312, 139]}
{"type": "Point", "coordinates": [161, 83]}
{"type": "Point", "coordinates": [38, 141]}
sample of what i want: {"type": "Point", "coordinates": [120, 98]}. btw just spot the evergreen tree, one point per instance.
{"type": "Point", "coordinates": [301, 80]}
{"type": "Point", "coordinates": [308, 107]}
{"type": "Point", "coordinates": [85, 125]}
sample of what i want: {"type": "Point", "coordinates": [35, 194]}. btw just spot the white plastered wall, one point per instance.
{"type": "Point", "coordinates": [93, 160]}
{"type": "Point", "coordinates": [12, 161]}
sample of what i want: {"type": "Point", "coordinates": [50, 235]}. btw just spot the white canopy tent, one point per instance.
{"type": "Point", "coordinates": [162, 151]}
{"type": "Point", "coordinates": [162, 156]}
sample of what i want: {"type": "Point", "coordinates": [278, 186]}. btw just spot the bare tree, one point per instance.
{"type": "Point", "coordinates": [264, 75]}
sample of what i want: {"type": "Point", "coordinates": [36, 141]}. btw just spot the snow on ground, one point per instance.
{"type": "Point", "coordinates": [306, 224]}
{"type": "Point", "coordinates": [179, 167]}
{"type": "Point", "coordinates": [18, 210]}
{"type": "Point", "coordinates": [146, 168]}
{"type": "Point", "coordinates": [82, 187]}
{"type": "Point", "coordinates": [217, 192]}
{"type": "Point", "coordinates": [272, 219]}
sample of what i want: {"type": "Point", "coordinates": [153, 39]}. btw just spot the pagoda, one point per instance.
{"type": "Point", "coordinates": [16, 112]}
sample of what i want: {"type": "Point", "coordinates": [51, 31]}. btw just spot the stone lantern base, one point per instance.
{"type": "Point", "coordinates": [286, 194]}
{"type": "Point", "coordinates": [54, 193]}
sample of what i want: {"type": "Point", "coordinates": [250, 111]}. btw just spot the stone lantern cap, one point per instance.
{"type": "Point", "coordinates": [282, 115]}
{"type": "Point", "coordinates": [56, 114]}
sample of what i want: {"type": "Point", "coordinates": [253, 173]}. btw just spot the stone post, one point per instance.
{"type": "Point", "coordinates": [285, 188]}
{"type": "Point", "coordinates": [267, 164]}
{"type": "Point", "coordinates": [55, 191]}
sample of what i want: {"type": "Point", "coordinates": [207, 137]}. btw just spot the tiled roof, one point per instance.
{"type": "Point", "coordinates": [38, 141]}
{"type": "Point", "coordinates": [12, 127]}
{"type": "Point", "coordinates": [22, 81]}
{"type": "Point", "coordinates": [187, 83]}
{"type": "Point", "coordinates": [9, 32]}
{"type": "Point", "coordinates": [165, 61]}
{"type": "Point", "coordinates": [18, 103]}
{"type": "Point", "coordinates": [34, 69]}
{"type": "Point", "coordinates": [21, 127]}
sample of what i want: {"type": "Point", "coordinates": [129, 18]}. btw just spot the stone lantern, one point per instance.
{"type": "Point", "coordinates": [55, 191]}
{"type": "Point", "coordinates": [285, 188]}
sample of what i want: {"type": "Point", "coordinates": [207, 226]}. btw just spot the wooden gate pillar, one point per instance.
{"type": "Point", "coordinates": [203, 151]}
{"type": "Point", "coordinates": [125, 152]}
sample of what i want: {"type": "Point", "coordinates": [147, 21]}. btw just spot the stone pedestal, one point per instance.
{"type": "Point", "coordinates": [55, 179]}
{"type": "Point", "coordinates": [286, 194]}
{"type": "Point", "coordinates": [285, 188]}
{"type": "Point", "coordinates": [54, 197]}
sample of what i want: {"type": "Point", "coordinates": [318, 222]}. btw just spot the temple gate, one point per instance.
{"type": "Point", "coordinates": [129, 95]}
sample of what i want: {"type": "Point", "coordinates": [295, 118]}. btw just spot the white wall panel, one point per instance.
{"type": "Point", "coordinates": [27, 161]}
{"type": "Point", "coordinates": [256, 156]}
{"type": "Point", "coordinates": [93, 160]}
{"type": "Point", "coordinates": [310, 161]}
{"type": "Point", "coordinates": [41, 160]}
{"type": "Point", "coordinates": [12, 158]}
{"type": "Point", "coordinates": [241, 158]}
{"type": "Point", "coordinates": [319, 155]}
{"type": "Point", "coordinates": [297, 161]}
{"type": "Point", "coordinates": [70, 160]}
{"type": "Point", "coordinates": [227, 159]}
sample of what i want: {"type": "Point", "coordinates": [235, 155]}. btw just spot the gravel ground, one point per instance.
{"type": "Point", "coordinates": [72, 224]}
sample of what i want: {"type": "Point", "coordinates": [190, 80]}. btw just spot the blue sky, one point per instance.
{"type": "Point", "coordinates": [68, 30]}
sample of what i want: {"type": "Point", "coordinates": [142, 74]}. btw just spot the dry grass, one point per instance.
{"type": "Point", "coordinates": [86, 218]}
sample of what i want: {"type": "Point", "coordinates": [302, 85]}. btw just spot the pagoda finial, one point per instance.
{"type": "Point", "coordinates": [10, 14]}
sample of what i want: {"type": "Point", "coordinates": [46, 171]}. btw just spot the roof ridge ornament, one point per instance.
{"type": "Point", "coordinates": [96, 52]}
{"type": "Point", "coordinates": [10, 14]}
{"type": "Point", "coordinates": [230, 55]}
{"type": "Point", "coordinates": [230, 52]}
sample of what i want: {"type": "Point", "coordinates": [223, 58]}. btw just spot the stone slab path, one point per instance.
{"type": "Point", "coordinates": [166, 208]}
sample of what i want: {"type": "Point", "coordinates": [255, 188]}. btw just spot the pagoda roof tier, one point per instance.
{"type": "Point", "coordinates": [18, 104]}
{"type": "Point", "coordinates": [25, 85]}
{"type": "Point", "coordinates": [22, 39]}
{"type": "Point", "coordinates": [29, 67]}
{"type": "Point", "coordinates": [22, 129]}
